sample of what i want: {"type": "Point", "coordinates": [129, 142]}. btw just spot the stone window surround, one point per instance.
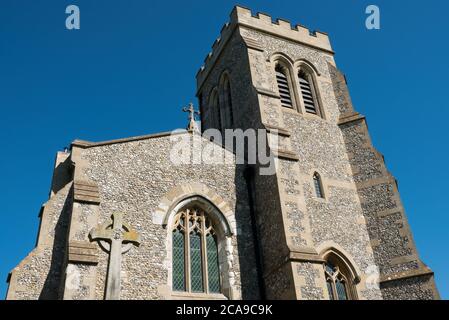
{"type": "Point", "coordinates": [317, 179]}
{"type": "Point", "coordinates": [330, 249]}
{"type": "Point", "coordinates": [293, 68]}
{"type": "Point", "coordinates": [203, 226]}
{"type": "Point", "coordinates": [227, 107]}
{"type": "Point", "coordinates": [324, 186]}
{"type": "Point", "coordinates": [225, 226]}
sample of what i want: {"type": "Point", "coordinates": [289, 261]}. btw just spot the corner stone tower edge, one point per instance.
{"type": "Point", "coordinates": [362, 216]}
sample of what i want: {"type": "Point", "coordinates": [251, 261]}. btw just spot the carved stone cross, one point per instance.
{"type": "Point", "coordinates": [116, 238]}
{"type": "Point", "coordinates": [191, 110]}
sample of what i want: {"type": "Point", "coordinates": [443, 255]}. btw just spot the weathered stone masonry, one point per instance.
{"type": "Point", "coordinates": [361, 214]}
{"type": "Point", "coordinates": [360, 220]}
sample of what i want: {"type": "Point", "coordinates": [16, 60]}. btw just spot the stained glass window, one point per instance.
{"type": "Point", "coordinates": [195, 253]}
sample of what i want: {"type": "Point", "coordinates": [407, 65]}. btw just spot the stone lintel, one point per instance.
{"type": "Point", "coordinates": [86, 192]}
{"type": "Point", "coordinates": [268, 93]}
{"type": "Point", "coordinates": [286, 155]}
{"type": "Point", "coordinates": [297, 254]}
{"type": "Point", "coordinates": [348, 118]}
{"type": "Point", "coordinates": [304, 254]}
{"type": "Point", "coordinates": [83, 252]}
{"type": "Point", "coordinates": [281, 131]}
{"type": "Point", "coordinates": [86, 199]}
{"type": "Point", "coordinates": [252, 44]}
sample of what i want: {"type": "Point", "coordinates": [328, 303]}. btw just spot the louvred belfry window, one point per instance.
{"type": "Point", "coordinates": [283, 86]}
{"type": "Point", "coordinates": [195, 253]}
{"type": "Point", "coordinates": [307, 92]}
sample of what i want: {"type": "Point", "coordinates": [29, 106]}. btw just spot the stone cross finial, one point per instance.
{"type": "Point", "coordinates": [191, 110]}
{"type": "Point", "coordinates": [111, 237]}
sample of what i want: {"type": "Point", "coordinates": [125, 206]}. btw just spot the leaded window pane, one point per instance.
{"type": "Point", "coordinates": [336, 283]}
{"type": "Point", "coordinates": [196, 268]}
{"type": "Point", "coordinates": [213, 271]}
{"type": "Point", "coordinates": [318, 187]}
{"type": "Point", "coordinates": [330, 290]}
{"type": "Point", "coordinates": [341, 290]}
{"type": "Point", "coordinates": [178, 261]}
{"type": "Point", "coordinates": [195, 253]}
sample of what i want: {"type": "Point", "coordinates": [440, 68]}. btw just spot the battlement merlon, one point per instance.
{"type": "Point", "coordinates": [243, 17]}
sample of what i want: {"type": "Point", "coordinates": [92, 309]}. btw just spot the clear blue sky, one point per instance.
{"type": "Point", "coordinates": [132, 66]}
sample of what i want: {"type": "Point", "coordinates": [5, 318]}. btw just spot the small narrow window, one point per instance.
{"type": "Point", "coordinates": [318, 186]}
{"type": "Point", "coordinates": [213, 269]}
{"type": "Point", "coordinates": [216, 110]}
{"type": "Point", "coordinates": [201, 104]}
{"type": "Point", "coordinates": [307, 92]}
{"type": "Point", "coordinates": [283, 86]}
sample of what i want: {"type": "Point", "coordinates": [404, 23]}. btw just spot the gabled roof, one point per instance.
{"type": "Point", "coordinates": [89, 144]}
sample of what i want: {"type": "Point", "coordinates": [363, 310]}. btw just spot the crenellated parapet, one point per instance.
{"type": "Point", "coordinates": [244, 18]}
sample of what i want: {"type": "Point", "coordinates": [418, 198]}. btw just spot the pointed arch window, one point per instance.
{"type": "Point", "coordinates": [339, 282]}
{"type": "Point", "coordinates": [195, 266]}
{"type": "Point", "coordinates": [308, 92]}
{"type": "Point", "coordinates": [283, 83]}
{"type": "Point", "coordinates": [215, 110]}
{"type": "Point", "coordinates": [318, 186]}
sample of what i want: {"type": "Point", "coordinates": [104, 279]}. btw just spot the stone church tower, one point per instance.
{"type": "Point", "coordinates": [124, 221]}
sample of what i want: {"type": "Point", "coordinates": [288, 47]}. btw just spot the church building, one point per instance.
{"type": "Point", "coordinates": [124, 221]}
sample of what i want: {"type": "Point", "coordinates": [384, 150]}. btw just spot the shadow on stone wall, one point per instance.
{"type": "Point", "coordinates": [62, 175]}
{"type": "Point", "coordinates": [249, 261]}
{"type": "Point", "coordinates": [54, 282]}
